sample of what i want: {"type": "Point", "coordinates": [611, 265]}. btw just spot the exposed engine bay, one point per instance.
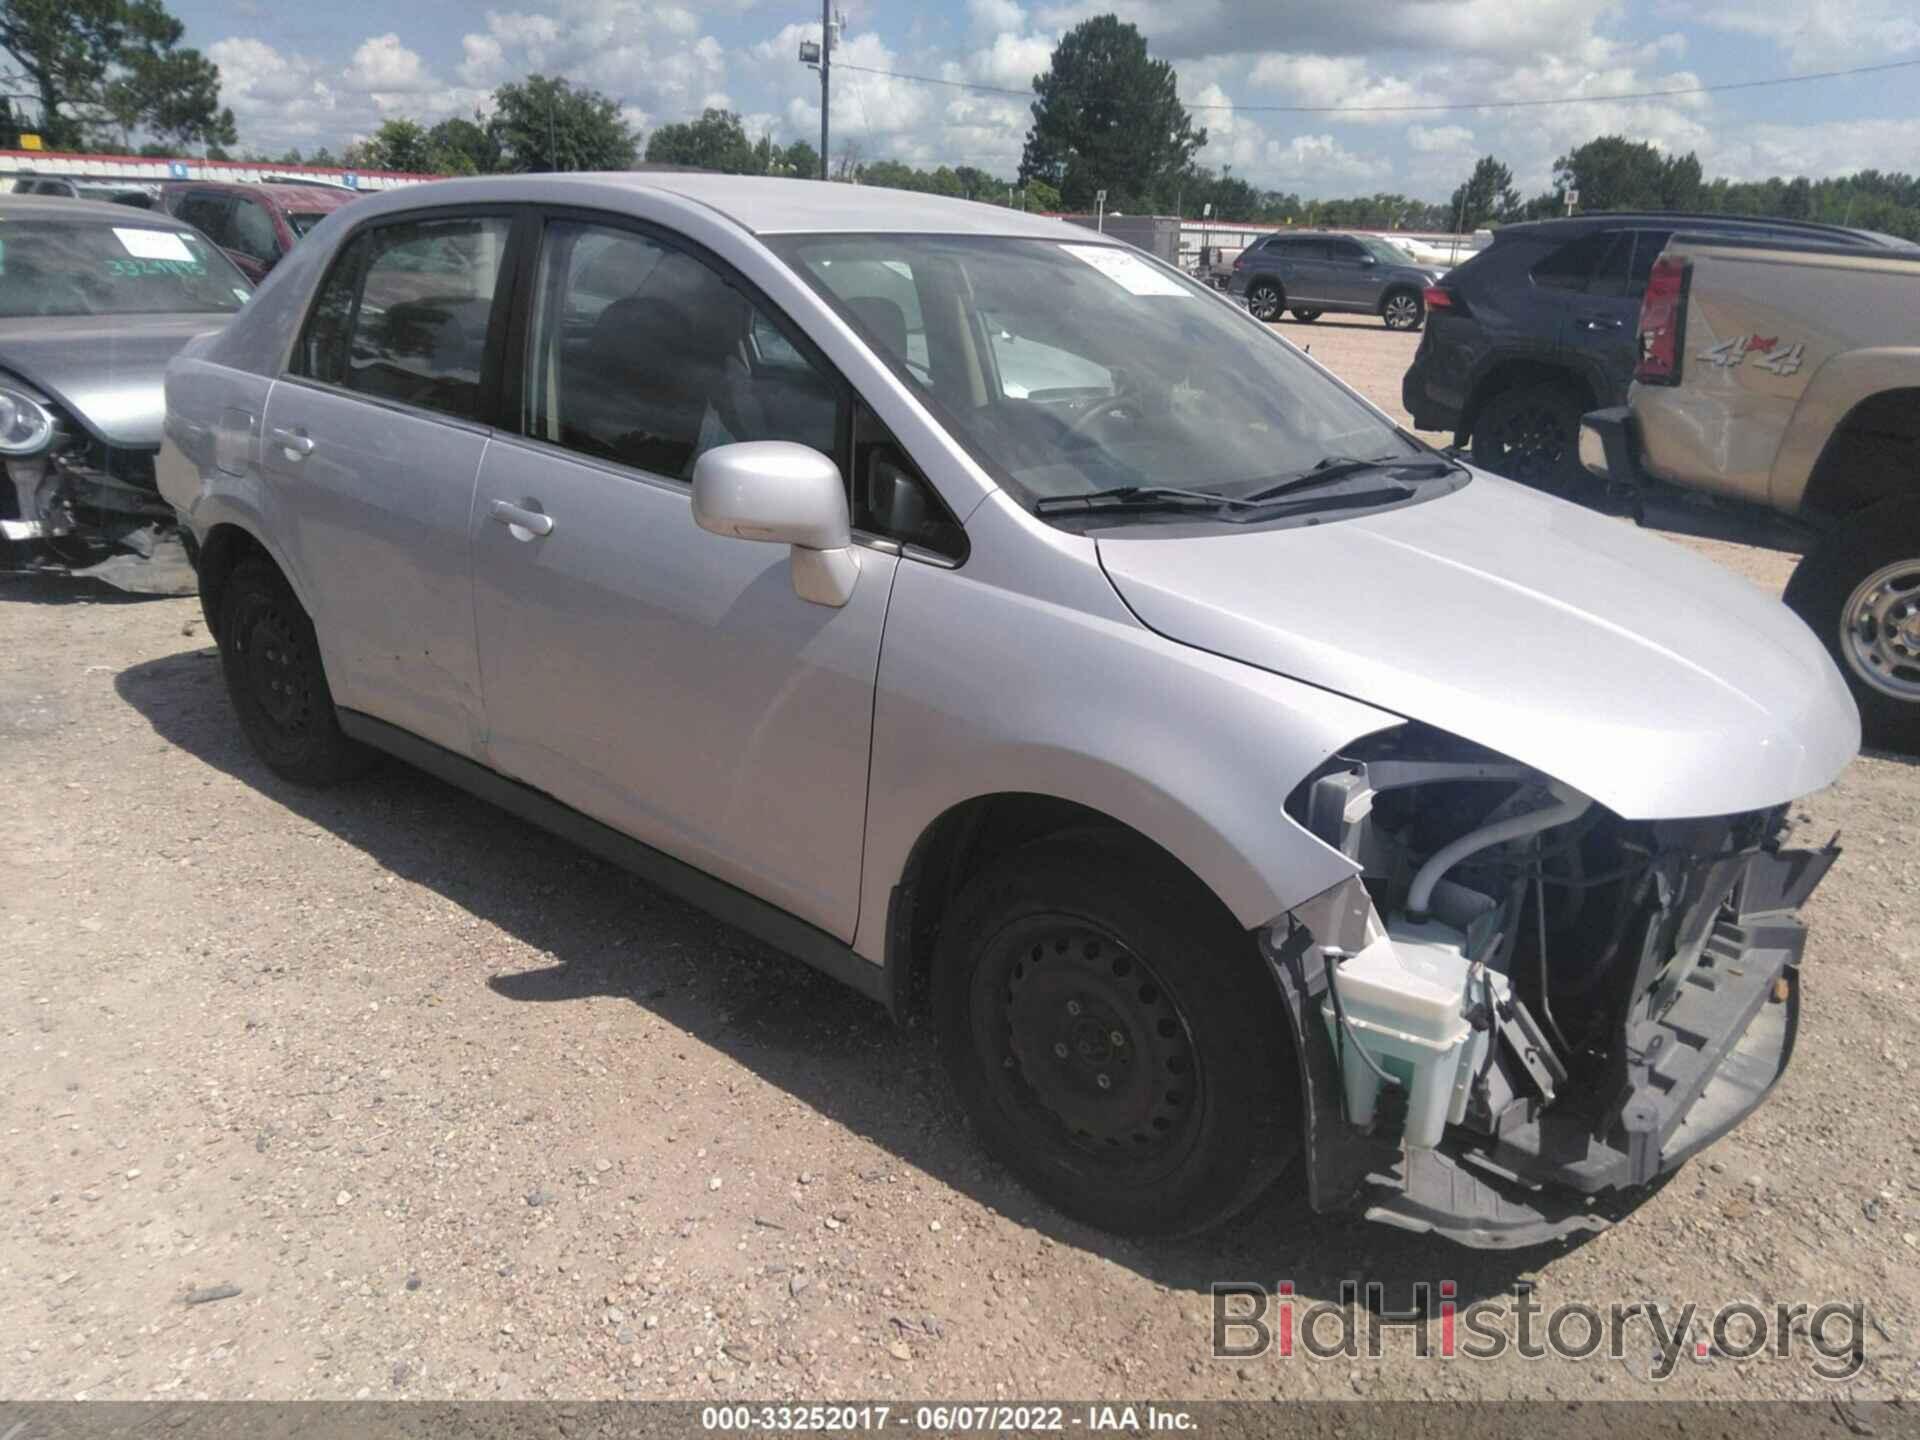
{"type": "Point", "coordinates": [1524, 1004]}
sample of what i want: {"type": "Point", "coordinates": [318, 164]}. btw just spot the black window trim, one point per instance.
{"type": "Point", "coordinates": [505, 294]}
{"type": "Point", "coordinates": [510, 378]}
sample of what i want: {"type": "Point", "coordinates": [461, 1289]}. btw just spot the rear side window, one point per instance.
{"type": "Point", "coordinates": [403, 314]}
{"type": "Point", "coordinates": [253, 233]}
{"type": "Point", "coordinates": [1575, 264]}
{"type": "Point", "coordinates": [207, 213]}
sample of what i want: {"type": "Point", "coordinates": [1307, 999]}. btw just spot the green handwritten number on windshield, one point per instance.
{"type": "Point", "coordinates": [134, 269]}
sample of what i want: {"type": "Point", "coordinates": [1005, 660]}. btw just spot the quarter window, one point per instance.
{"type": "Point", "coordinates": [642, 354]}
{"type": "Point", "coordinates": [1596, 263]}
{"type": "Point", "coordinates": [403, 314]}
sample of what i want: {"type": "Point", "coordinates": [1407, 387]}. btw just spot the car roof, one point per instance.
{"type": "Point", "coordinates": [1568, 226]}
{"type": "Point", "coordinates": [60, 207]}
{"type": "Point", "coordinates": [290, 197]}
{"type": "Point", "coordinates": [760, 204]}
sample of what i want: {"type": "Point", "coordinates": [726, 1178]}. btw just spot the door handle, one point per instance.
{"type": "Point", "coordinates": [296, 442]}
{"type": "Point", "coordinates": [518, 520]}
{"type": "Point", "coordinates": [1594, 322]}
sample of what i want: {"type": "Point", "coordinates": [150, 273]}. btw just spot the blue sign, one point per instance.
{"type": "Point", "coordinates": [177, 169]}
{"type": "Point", "coordinates": [350, 180]}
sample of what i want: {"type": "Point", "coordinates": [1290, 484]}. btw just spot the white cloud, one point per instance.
{"type": "Point", "coordinates": [382, 65]}
{"type": "Point", "coordinates": [1439, 139]}
{"type": "Point", "coordinates": [996, 17]}
{"type": "Point", "coordinates": [1830, 33]}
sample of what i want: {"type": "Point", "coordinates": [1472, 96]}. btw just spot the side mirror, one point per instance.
{"type": "Point", "coordinates": [1369, 260]}
{"type": "Point", "coordinates": [783, 494]}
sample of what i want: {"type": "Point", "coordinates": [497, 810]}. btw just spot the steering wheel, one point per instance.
{"type": "Point", "coordinates": [1101, 410]}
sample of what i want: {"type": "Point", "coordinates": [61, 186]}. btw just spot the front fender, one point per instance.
{"type": "Point", "coordinates": [985, 691]}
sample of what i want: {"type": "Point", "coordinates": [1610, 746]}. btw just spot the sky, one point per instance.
{"type": "Point", "coordinates": [309, 75]}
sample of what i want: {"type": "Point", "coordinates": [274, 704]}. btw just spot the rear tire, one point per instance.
{"type": "Point", "coordinates": [1859, 591]}
{"type": "Point", "coordinates": [1265, 300]}
{"type": "Point", "coordinates": [1307, 317]}
{"type": "Point", "coordinates": [1532, 434]}
{"type": "Point", "coordinates": [1113, 1037]}
{"type": "Point", "coordinates": [271, 660]}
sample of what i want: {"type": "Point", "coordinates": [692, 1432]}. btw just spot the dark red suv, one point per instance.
{"type": "Point", "coordinates": [254, 223]}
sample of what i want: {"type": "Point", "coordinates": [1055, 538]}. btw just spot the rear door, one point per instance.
{"type": "Point", "coordinates": [1305, 270]}
{"type": "Point", "coordinates": [372, 448]}
{"type": "Point", "coordinates": [1589, 286]}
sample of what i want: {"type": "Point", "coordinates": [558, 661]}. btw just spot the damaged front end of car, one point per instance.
{"type": "Point", "coordinates": [74, 503]}
{"type": "Point", "coordinates": [1524, 1010]}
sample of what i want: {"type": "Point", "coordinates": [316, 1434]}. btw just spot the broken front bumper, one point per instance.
{"type": "Point", "coordinates": [96, 511]}
{"type": "Point", "coordinates": [1694, 1061]}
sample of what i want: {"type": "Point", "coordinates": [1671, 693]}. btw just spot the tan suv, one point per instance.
{"type": "Point", "coordinates": [1777, 402]}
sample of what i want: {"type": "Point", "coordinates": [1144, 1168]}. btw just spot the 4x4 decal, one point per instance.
{"type": "Point", "coordinates": [1781, 360]}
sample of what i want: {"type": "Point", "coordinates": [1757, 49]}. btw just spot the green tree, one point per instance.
{"type": "Point", "coordinates": [1612, 172]}
{"type": "Point", "coordinates": [543, 123]}
{"type": "Point", "coordinates": [462, 147]}
{"type": "Point", "coordinates": [399, 144]}
{"type": "Point", "coordinates": [1487, 195]}
{"type": "Point", "coordinates": [112, 66]}
{"type": "Point", "coordinates": [1108, 116]}
{"type": "Point", "coordinates": [799, 160]}
{"type": "Point", "coordinates": [716, 141]}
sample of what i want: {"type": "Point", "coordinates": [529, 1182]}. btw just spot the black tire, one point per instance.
{"type": "Point", "coordinates": [1859, 591]}
{"type": "Point", "coordinates": [1403, 309]}
{"type": "Point", "coordinates": [1265, 300]}
{"type": "Point", "coordinates": [274, 677]}
{"type": "Point", "coordinates": [1532, 434]}
{"type": "Point", "coordinates": [1307, 317]}
{"type": "Point", "coordinates": [1198, 1110]}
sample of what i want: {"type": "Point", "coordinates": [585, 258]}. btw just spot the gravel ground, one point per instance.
{"type": "Point", "coordinates": [378, 1092]}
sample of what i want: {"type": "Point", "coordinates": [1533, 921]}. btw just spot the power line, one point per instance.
{"type": "Point", "coordinates": [1435, 109]}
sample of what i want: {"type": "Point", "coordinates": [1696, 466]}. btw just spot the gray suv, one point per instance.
{"type": "Point", "coordinates": [996, 619]}
{"type": "Point", "coordinates": [1312, 273]}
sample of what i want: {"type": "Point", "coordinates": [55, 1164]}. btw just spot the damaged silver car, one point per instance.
{"type": "Point", "coordinates": [1019, 632]}
{"type": "Point", "coordinates": [95, 299]}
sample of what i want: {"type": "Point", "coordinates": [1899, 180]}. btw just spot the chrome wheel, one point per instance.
{"type": "Point", "coordinates": [1880, 630]}
{"type": "Point", "coordinates": [1264, 301]}
{"type": "Point", "coordinates": [1402, 312]}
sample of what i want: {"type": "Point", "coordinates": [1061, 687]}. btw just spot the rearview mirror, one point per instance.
{"type": "Point", "coordinates": [783, 494]}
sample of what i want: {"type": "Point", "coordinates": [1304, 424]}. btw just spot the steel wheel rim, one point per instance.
{"type": "Point", "coordinates": [1880, 630]}
{"type": "Point", "coordinates": [1264, 302]}
{"type": "Point", "coordinates": [1085, 1050]}
{"type": "Point", "coordinates": [1401, 312]}
{"type": "Point", "coordinates": [276, 677]}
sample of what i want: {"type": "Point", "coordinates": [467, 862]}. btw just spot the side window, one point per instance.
{"type": "Point", "coordinates": [403, 313]}
{"type": "Point", "coordinates": [1348, 252]}
{"type": "Point", "coordinates": [1610, 276]}
{"type": "Point", "coordinates": [253, 231]}
{"type": "Point", "coordinates": [1647, 245]}
{"type": "Point", "coordinates": [1574, 263]}
{"type": "Point", "coordinates": [642, 354]}
{"type": "Point", "coordinates": [207, 213]}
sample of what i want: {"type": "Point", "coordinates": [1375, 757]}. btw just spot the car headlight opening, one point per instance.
{"type": "Point", "coordinates": [26, 426]}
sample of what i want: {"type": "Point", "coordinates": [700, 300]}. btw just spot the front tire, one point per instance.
{"type": "Point", "coordinates": [1859, 591]}
{"type": "Point", "coordinates": [1531, 434]}
{"type": "Point", "coordinates": [1307, 317]}
{"type": "Point", "coordinates": [1112, 1036]}
{"type": "Point", "coordinates": [1403, 310]}
{"type": "Point", "coordinates": [271, 660]}
{"type": "Point", "coordinates": [1265, 300]}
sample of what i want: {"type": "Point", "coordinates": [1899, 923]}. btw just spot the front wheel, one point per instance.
{"type": "Point", "coordinates": [1403, 310]}
{"type": "Point", "coordinates": [1859, 590]}
{"type": "Point", "coordinates": [1112, 1036]}
{"type": "Point", "coordinates": [1266, 300]}
{"type": "Point", "coordinates": [1307, 317]}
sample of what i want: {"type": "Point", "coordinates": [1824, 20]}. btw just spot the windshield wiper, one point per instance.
{"type": "Point", "coordinates": [1339, 467]}
{"type": "Point", "coordinates": [1135, 497]}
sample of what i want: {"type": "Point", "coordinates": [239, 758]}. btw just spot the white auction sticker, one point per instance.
{"type": "Point", "coordinates": [154, 244]}
{"type": "Point", "coordinates": [1129, 272]}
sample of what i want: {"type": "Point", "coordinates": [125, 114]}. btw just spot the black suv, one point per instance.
{"type": "Point", "coordinates": [1539, 328]}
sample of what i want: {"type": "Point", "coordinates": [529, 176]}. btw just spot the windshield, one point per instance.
{"type": "Point", "coordinates": [59, 267]}
{"type": "Point", "coordinates": [304, 220]}
{"type": "Point", "coordinates": [1068, 368]}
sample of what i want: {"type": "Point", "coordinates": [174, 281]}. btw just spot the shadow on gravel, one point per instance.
{"type": "Point", "coordinates": [56, 587]}
{"type": "Point", "coordinates": [609, 934]}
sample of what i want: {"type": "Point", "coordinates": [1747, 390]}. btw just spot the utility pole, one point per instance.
{"type": "Point", "coordinates": [826, 62]}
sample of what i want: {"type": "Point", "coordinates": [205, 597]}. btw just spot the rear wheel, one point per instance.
{"type": "Point", "coordinates": [1307, 317]}
{"type": "Point", "coordinates": [1112, 1036]}
{"type": "Point", "coordinates": [1265, 300]}
{"type": "Point", "coordinates": [1859, 590]}
{"type": "Point", "coordinates": [279, 689]}
{"type": "Point", "coordinates": [1403, 310]}
{"type": "Point", "coordinates": [1532, 434]}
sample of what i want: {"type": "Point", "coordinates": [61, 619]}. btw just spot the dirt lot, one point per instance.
{"type": "Point", "coordinates": [459, 1111]}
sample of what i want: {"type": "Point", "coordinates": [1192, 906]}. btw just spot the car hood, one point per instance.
{"type": "Point", "coordinates": [104, 370]}
{"type": "Point", "coordinates": [1644, 675]}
